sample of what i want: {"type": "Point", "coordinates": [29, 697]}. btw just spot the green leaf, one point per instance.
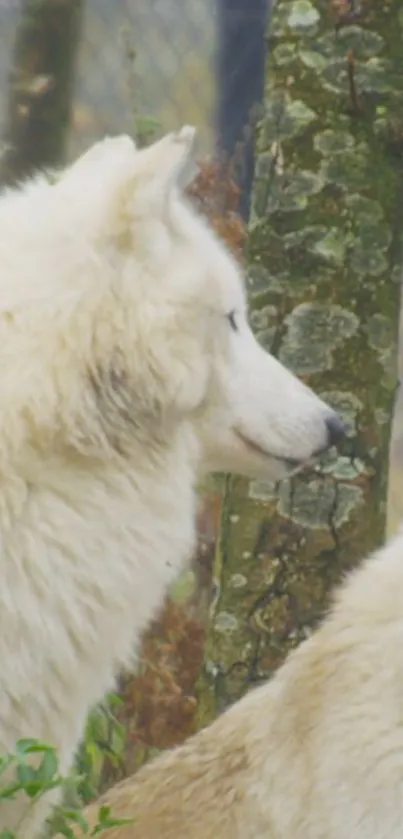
{"type": "Point", "coordinates": [6, 762]}
{"type": "Point", "coordinates": [64, 816]}
{"type": "Point", "coordinates": [10, 790]}
{"type": "Point", "coordinates": [115, 701]}
{"type": "Point", "coordinates": [32, 788]}
{"type": "Point", "coordinates": [104, 813]}
{"type": "Point", "coordinates": [25, 773]}
{"type": "Point", "coordinates": [49, 766]}
{"type": "Point", "coordinates": [108, 823]}
{"type": "Point", "coordinates": [30, 746]}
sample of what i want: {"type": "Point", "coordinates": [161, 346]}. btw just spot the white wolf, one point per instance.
{"type": "Point", "coordinates": [316, 753]}
{"type": "Point", "coordinates": [127, 365]}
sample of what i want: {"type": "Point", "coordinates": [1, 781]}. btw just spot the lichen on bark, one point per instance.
{"type": "Point", "coordinates": [324, 275]}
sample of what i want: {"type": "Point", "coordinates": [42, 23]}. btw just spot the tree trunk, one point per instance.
{"type": "Point", "coordinates": [324, 282]}
{"type": "Point", "coordinates": [41, 83]}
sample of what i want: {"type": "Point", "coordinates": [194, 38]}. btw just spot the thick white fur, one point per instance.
{"type": "Point", "coordinates": [316, 753]}
{"type": "Point", "coordinates": [120, 378]}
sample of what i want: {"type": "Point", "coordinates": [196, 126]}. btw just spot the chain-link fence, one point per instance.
{"type": "Point", "coordinates": [152, 57]}
{"type": "Point", "coordinates": [160, 63]}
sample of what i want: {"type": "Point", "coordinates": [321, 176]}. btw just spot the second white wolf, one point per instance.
{"type": "Point", "coordinates": [316, 753]}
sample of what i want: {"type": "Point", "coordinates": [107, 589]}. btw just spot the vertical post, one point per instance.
{"type": "Point", "coordinates": [241, 58]}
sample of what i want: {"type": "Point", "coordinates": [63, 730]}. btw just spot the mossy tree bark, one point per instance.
{"type": "Point", "coordinates": [41, 82]}
{"type": "Point", "coordinates": [324, 282]}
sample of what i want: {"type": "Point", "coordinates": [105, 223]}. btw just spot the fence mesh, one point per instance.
{"type": "Point", "coordinates": [149, 58]}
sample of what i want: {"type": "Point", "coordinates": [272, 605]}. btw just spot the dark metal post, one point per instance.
{"type": "Point", "coordinates": [241, 57]}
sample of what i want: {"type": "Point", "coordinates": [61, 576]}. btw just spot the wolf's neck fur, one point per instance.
{"type": "Point", "coordinates": [360, 602]}
{"type": "Point", "coordinates": [86, 561]}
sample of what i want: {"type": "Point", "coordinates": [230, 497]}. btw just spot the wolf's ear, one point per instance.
{"type": "Point", "coordinates": [99, 184]}
{"type": "Point", "coordinates": [167, 159]}
{"type": "Point", "coordinates": [113, 180]}
{"type": "Point", "coordinates": [161, 167]}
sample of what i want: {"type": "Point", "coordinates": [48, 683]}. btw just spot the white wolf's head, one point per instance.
{"type": "Point", "coordinates": [145, 320]}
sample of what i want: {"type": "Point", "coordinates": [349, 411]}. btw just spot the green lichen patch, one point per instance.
{"type": "Point", "coordinates": [265, 164]}
{"type": "Point", "coordinates": [368, 260]}
{"type": "Point", "coordinates": [291, 190]}
{"type": "Point", "coordinates": [314, 331]}
{"type": "Point", "coordinates": [350, 170]}
{"type": "Point", "coordinates": [302, 15]}
{"type": "Point", "coordinates": [266, 337]}
{"type": "Point", "coordinates": [225, 622]}
{"type": "Point", "coordinates": [312, 59]}
{"type": "Point", "coordinates": [348, 405]}
{"type": "Point", "coordinates": [279, 20]}
{"type": "Point", "coordinates": [331, 142]}
{"type": "Point", "coordinates": [317, 504]}
{"type": "Point", "coordinates": [368, 250]}
{"type": "Point", "coordinates": [365, 212]}
{"type": "Point", "coordinates": [284, 200]}
{"type": "Point", "coordinates": [332, 246]}
{"type": "Point", "coordinates": [264, 317]}
{"type": "Point", "coordinates": [307, 236]}
{"type": "Point", "coordinates": [284, 54]}
{"type": "Point", "coordinates": [381, 332]}
{"type": "Point", "coordinates": [238, 581]}
{"type": "Point", "coordinates": [381, 416]}
{"type": "Point", "coordinates": [262, 490]}
{"type": "Point", "coordinates": [343, 468]}
{"type": "Point", "coordinates": [266, 284]}
{"type": "Point", "coordinates": [382, 338]}
{"type": "Point", "coordinates": [365, 43]}
{"type": "Point", "coordinates": [372, 76]}
{"type": "Point", "coordinates": [284, 118]}
{"type": "Point", "coordinates": [258, 281]}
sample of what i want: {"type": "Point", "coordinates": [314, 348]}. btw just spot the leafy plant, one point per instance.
{"type": "Point", "coordinates": [32, 770]}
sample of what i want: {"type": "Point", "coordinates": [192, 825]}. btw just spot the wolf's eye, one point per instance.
{"type": "Point", "coordinates": [232, 321]}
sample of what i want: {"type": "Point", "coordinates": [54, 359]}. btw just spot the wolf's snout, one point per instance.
{"type": "Point", "coordinates": [336, 430]}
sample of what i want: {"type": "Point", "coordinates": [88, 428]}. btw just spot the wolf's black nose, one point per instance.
{"type": "Point", "coordinates": [336, 429]}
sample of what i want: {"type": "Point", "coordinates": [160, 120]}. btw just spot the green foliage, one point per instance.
{"type": "Point", "coordinates": [33, 770]}
{"type": "Point", "coordinates": [146, 129]}
{"type": "Point", "coordinates": [103, 743]}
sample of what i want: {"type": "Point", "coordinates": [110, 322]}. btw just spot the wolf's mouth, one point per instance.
{"type": "Point", "coordinates": [289, 462]}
